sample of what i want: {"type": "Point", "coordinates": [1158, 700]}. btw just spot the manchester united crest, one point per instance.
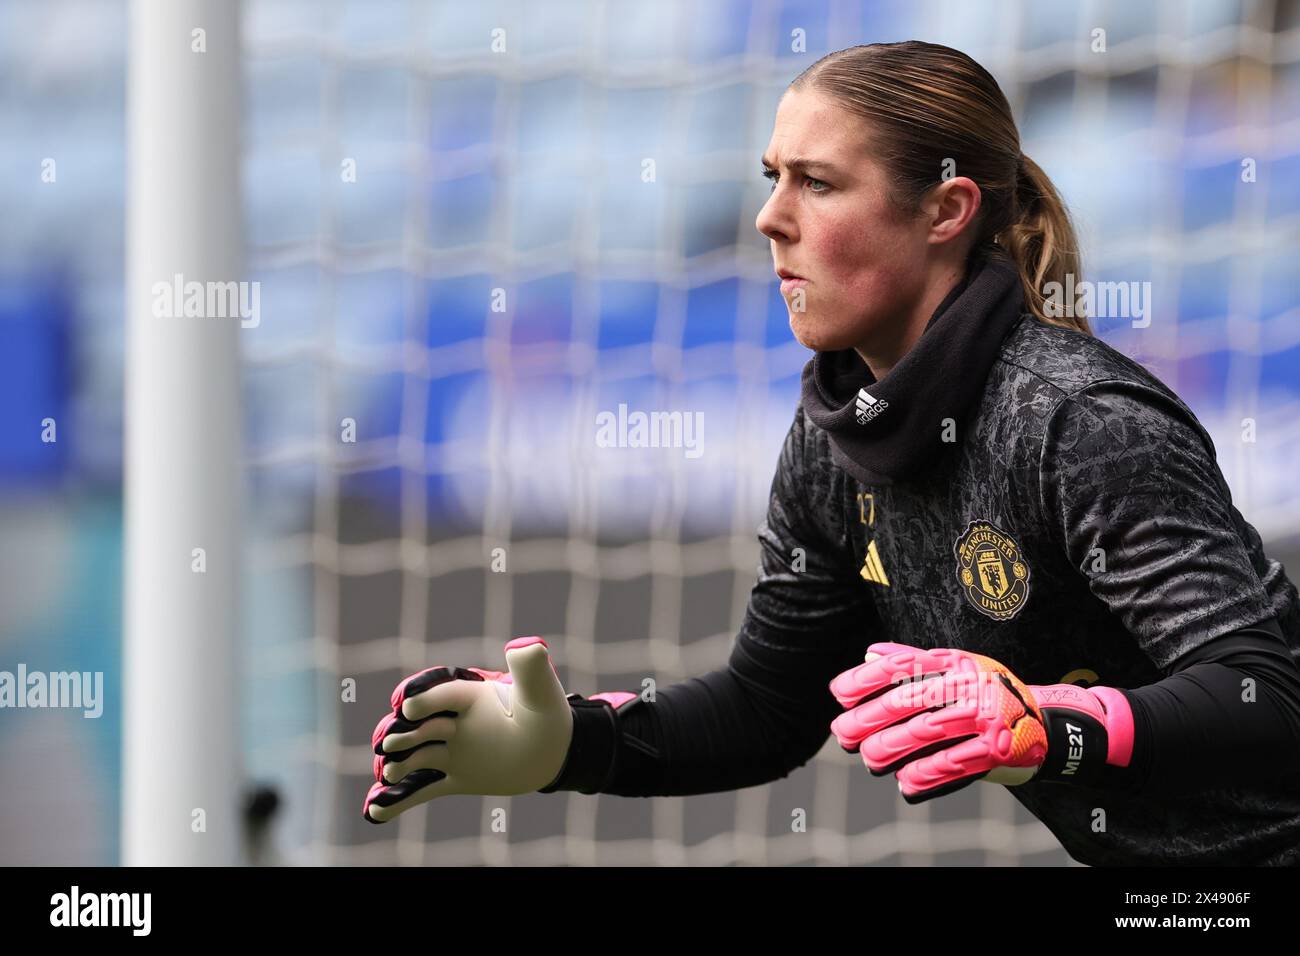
{"type": "Point", "coordinates": [992, 571]}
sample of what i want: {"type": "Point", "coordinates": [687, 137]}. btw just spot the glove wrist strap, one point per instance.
{"type": "Point", "coordinates": [1088, 731]}
{"type": "Point", "coordinates": [590, 763]}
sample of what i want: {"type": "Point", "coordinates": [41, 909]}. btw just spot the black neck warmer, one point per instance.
{"type": "Point", "coordinates": [886, 431]}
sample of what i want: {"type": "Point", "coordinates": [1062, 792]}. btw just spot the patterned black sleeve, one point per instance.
{"type": "Point", "coordinates": [768, 711]}
{"type": "Point", "coordinates": [1129, 481]}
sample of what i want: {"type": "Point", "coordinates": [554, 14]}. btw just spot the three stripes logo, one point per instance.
{"type": "Point", "coordinates": [872, 569]}
{"type": "Point", "coordinates": [868, 407]}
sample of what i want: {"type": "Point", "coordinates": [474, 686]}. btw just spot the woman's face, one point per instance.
{"type": "Point", "coordinates": [863, 266]}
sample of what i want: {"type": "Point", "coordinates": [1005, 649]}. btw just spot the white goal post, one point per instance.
{"type": "Point", "coordinates": [182, 462]}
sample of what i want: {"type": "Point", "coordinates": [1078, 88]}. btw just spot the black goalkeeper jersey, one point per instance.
{"type": "Point", "coordinates": [1078, 529]}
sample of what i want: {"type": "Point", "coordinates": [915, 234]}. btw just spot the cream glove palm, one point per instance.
{"type": "Point", "coordinates": [469, 730]}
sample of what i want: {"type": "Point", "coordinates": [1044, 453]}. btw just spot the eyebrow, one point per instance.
{"type": "Point", "coordinates": [803, 165]}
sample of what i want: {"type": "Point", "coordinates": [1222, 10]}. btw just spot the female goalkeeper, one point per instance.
{"type": "Point", "coordinates": [1025, 532]}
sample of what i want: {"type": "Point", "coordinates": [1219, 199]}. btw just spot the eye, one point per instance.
{"type": "Point", "coordinates": [819, 185]}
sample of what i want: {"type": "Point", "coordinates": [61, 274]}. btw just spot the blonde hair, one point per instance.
{"type": "Point", "coordinates": [928, 106]}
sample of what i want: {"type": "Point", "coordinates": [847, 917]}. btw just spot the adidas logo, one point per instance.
{"type": "Point", "coordinates": [872, 569]}
{"type": "Point", "coordinates": [868, 407]}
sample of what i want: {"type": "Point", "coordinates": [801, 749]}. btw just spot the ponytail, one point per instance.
{"type": "Point", "coordinates": [1042, 242]}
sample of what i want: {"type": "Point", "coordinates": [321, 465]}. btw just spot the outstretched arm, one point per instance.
{"type": "Point", "coordinates": [769, 709]}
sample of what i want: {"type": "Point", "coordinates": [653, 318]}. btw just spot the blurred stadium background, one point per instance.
{"type": "Point", "coordinates": [522, 170]}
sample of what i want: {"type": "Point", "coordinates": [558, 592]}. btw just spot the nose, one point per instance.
{"type": "Point", "coordinates": [774, 219]}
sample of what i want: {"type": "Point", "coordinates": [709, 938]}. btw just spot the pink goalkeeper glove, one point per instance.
{"type": "Point", "coordinates": [941, 719]}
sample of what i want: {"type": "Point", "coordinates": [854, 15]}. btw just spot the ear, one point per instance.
{"type": "Point", "coordinates": [950, 209]}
